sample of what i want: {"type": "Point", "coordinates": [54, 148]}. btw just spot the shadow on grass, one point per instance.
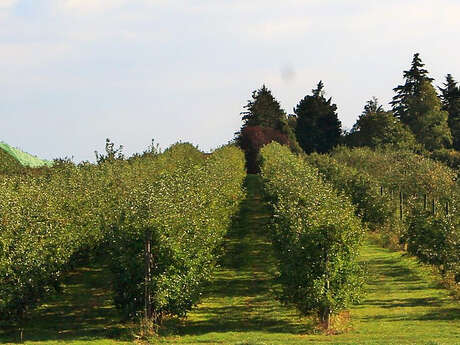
{"type": "Point", "coordinates": [83, 311]}
{"type": "Point", "coordinates": [406, 302]}
{"type": "Point", "coordinates": [241, 297]}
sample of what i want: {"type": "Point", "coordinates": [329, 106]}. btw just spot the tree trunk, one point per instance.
{"type": "Point", "coordinates": [148, 275]}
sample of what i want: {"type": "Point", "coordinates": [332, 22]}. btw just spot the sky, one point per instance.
{"type": "Point", "coordinates": [75, 72]}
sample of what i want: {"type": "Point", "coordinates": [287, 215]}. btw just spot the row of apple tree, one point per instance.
{"type": "Point", "coordinates": [316, 235]}
{"type": "Point", "coordinates": [411, 200]}
{"type": "Point", "coordinates": [160, 218]}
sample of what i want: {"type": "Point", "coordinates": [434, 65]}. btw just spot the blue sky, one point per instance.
{"type": "Point", "coordinates": [74, 72]}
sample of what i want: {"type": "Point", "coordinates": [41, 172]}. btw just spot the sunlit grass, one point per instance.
{"type": "Point", "coordinates": [403, 305]}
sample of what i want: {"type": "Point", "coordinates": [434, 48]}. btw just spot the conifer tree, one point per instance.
{"type": "Point", "coordinates": [414, 78]}
{"type": "Point", "coordinates": [427, 120]}
{"type": "Point", "coordinates": [377, 127]}
{"type": "Point", "coordinates": [264, 110]}
{"type": "Point", "coordinates": [264, 121]}
{"type": "Point", "coordinates": [318, 128]}
{"type": "Point", "coordinates": [450, 97]}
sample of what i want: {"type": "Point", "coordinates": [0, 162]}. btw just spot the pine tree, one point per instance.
{"type": "Point", "coordinates": [427, 120]}
{"type": "Point", "coordinates": [377, 127]}
{"type": "Point", "coordinates": [318, 127]}
{"type": "Point", "coordinates": [264, 121]}
{"type": "Point", "coordinates": [414, 78]}
{"type": "Point", "coordinates": [264, 110]}
{"type": "Point", "coordinates": [450, 97]}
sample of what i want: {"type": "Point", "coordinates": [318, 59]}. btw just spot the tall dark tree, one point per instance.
{"type": "Point", "coordinates": [414, 78]}
{"type": "Point", "coordinates": [265, 111]}
{"type": "Point", "coordinates": [318, 127]}
{"type": "Point", "coordinates": [377, 127]}
{"type": "Point", "coordinates": [450, 97]}
{"type": "Point", "coordinates": [264, 121]}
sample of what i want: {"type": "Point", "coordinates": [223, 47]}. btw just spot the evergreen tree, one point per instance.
{"type": "Point", "coordinates": [264, 121]}
{"type": "Point", "coordinates": [318, 128]}
{"type": "Point", "coordinates": [265, 111]}
{"type": "Point", "coordinates": [427, 120]}
{"type": "Point", "coordinates": [450, 97]}
{"type": "Point", "coordinates": [414, 78]}
{"type": "Point", "coordinates": [377, 127]}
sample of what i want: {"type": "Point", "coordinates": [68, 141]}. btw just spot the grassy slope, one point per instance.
{"type": "Point", "coordinates": [403, 305]}
{"type": "Point", "coordinates": [24, 158]}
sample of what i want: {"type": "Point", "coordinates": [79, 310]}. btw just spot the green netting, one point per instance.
{"type": "Point", "coordinates": [24, 158]}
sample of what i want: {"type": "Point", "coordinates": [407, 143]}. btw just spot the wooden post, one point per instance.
{"type": "Point", "coordinates": [148, 274]}
{"type": "Point", "coordinates": [381, 190]}
{"type": "Point", "coordinates": [400, 205]}
{"type": "Point", "coordinates": [424, 202]}
{"type": "Point", "coordinates": [433, 207]}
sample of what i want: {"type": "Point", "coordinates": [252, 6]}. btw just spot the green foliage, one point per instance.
{"type": "Point", "coordinates": [417, 105]}
{"type": "Point", "coordinates": [435, 239]}
{"type": "Point", "coordinates": [376, 127]}
{"type": "Point", "coordinates": [450, 96]}
{"type": "Point", "coordinates": [185, 199]}
{"type": "Point", "coordinates": [187, 209]}
{"type": "Point", "coordinates": [432, 238]}
{"type": "Point", "coordinates": [44, 221]}
{"type": "Point", "coordinates": [449, 157]}
{"type": "Point", "coordinates": [414, 78]}
{"type": "Point", "coordinates": [375, 209]}
{"type": "Point", "coordinates": [318, 128]}
{"type": "Point", "coordinates": [8, 164]}
{"type": "Point", "coordinates": [316, 235]}
{"type": "Point", "coordinates": [111, 153]}
{"type": "Point", "coordinates": [265, 111]}
{"type": "Point", "coordinates": [427, 120]}
{"type": "Point", "coordinates": [414, 174]}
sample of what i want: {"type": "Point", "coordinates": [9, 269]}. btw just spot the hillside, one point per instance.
{"type": "Point", "coordinates": [25, 159]}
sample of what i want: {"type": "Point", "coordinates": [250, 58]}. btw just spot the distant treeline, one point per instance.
{"type": "Point", "coordinates": [421, 120]}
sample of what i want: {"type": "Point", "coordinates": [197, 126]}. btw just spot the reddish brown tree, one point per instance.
{"type": "Point", "coordinates": [253, 138]}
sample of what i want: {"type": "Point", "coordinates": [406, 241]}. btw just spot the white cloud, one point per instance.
{"type": "Point", "coordinates": [285, 27]}
{"type": "Point", "coordinates": [88, 6]}
{"type": "Point", "coordinates": [5, 4]}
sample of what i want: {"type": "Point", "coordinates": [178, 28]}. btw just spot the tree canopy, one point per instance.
{"type": "Point", "coordinates": [417, 105]}
{"type": "Point", "coordinates": [377, 127]}
{"type": "Point", "coordinates": [264, 121]}
{"type": "Point", "coordinates": [427, 120]}
{"type": "Point", "coordinates": [318, 128]}
{"type": "Point", "coordinates": [450, 97]}
{"type": "Point", "coordinates": [414, 78]}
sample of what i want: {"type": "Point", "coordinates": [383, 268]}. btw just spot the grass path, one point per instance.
{"type": "Point", "coordinates": [403, 305]}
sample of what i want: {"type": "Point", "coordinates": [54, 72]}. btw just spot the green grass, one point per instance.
{"type": "Point", "coordinates": [403, 305]}
{"type": "Point", "coordinates": [24, 158]}
{"type": "Point", "coordinates": [83, 313]}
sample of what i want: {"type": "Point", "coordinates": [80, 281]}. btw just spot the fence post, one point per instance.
{"type": "Point", "coordinates": [381, 190]}
{"type": "Point", "coordinates": [433, 206]}
{"type": "Point", "coordinates": [148, 274]}
{"type": "Point", "coordinates": [400, 205]}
